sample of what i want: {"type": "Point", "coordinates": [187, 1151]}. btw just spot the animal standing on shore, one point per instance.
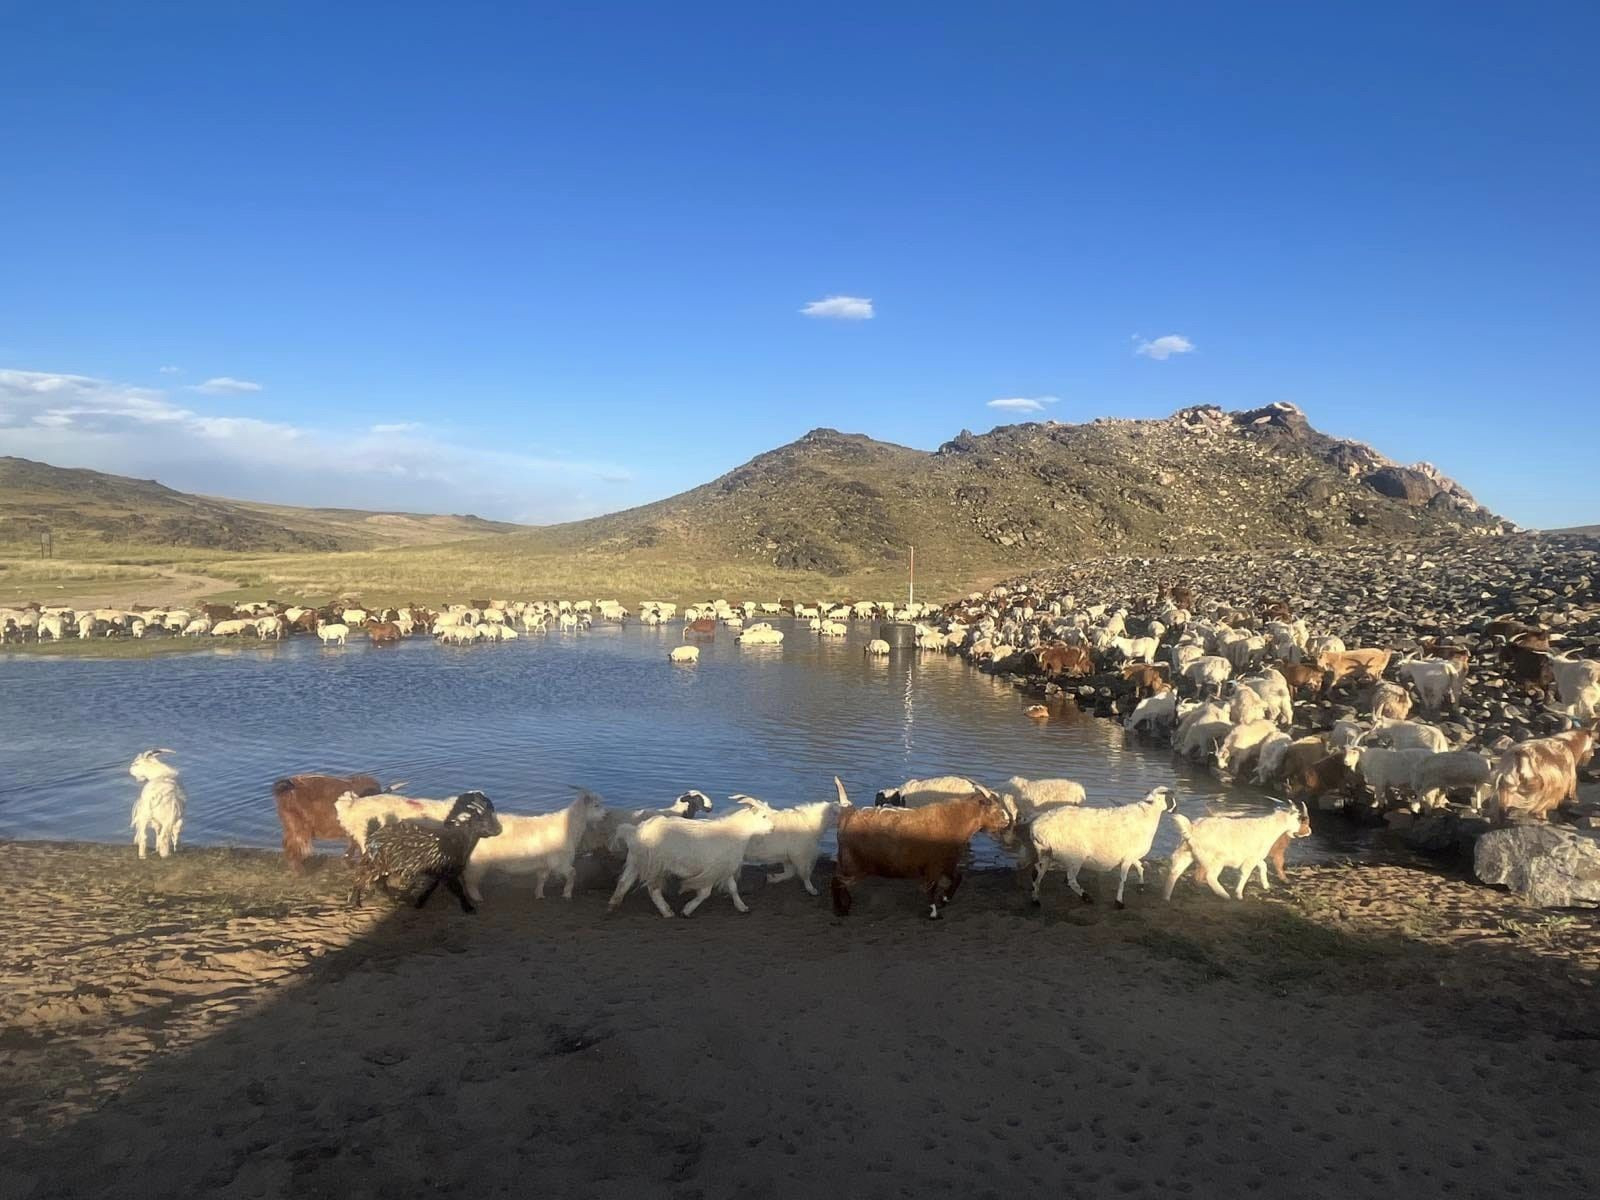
{"type": "Point", "coordinates": [161, 803]}
{"type": "Point", "coordinates": [410, 851]}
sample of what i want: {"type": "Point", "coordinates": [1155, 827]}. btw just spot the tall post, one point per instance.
{"type": "Point", "coordinates": [911, 586]}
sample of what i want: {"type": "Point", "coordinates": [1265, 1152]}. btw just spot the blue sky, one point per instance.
{"type": "Point", "coordinates": [539, 264]}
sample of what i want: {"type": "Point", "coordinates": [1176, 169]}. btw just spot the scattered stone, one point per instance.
{"type": "Point", "coordinates": [1549, 866]}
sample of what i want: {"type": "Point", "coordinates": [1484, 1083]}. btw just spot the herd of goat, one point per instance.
{"type": "Point", "coordinates": [1219, 684]}
{"type": "Point", "coordinates": [920, 830]}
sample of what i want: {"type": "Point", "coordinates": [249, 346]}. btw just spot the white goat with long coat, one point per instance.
{"type": "Point", "coordinates": [161, 803]}
{"type": "Point", "coordinates": [1226, 840]}
{"type": "Point", "coordinates": [540, 846]}
{"type": "Point", "coordinates": [796, 838]}
{"type": "Point", "coordinates": [701, 855]}
{"type": "Point", "coordinates": [1069, 838]}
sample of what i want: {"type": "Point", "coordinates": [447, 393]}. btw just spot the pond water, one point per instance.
{"type": "Point", "coordinates": [526, 721]}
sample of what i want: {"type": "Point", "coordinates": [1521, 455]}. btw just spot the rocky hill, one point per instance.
{"type": "Point", "coordinates": [84, 509]}
{"type": "Point", "coordinates": [834, 504]}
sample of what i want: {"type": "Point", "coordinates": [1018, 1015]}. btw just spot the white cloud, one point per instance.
{"type": "Point", "coordinates": [171, 370]}
{"type": "Point", "coordinates": [80, 421]}
{"type": "Point", "coordinates": [223, 385]}
{"type": "Point", "coordinates": [1029, 404]}
{"type": "Point", "coordinates": [840, 308]}
{"type": "Point", "coordinates": [1163, 348]}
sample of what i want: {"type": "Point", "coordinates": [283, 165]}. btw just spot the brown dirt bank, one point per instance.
{"type": "Point", "coordinates": [210, 1024]}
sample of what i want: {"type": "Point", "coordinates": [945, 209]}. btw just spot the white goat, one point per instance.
{"type": "Point", "coordinates": [540, 846]}
{"type": "Point", "coordinates": [332, 633]}
{"type": "Point", "coordinates": [1384, 770]}
{"type": "Point", "coordinates": [1409, 735]}
{"type": "Point", "coordinates": [1577, 683]}
{"type": "Point", "coordinates": [1243, 743]}
{"type": "Point", "coordinates": [1070, 837]}
{"type": "Point", "coordinates": [159, 808]}
{"type": "Point", "coordinates": [914, 793]}
{"type": "Point", "coordinates": [1210, 671]}
{"type": "Point", "coordinates": [1240, 842]}
{"type": "Point", "coordinates": [358, 814]}
{"type": "Point", "coordinates": [1154, 712]}
{"type": "Point", "coordinates": [604, 835]}
{"type": "Point", "coordinates": [702, 855]}
{"type": "Point", "coordinates": [1439, 774]}
{"type": "Point", "coordinates": [796, 838]}
{"type": "Point", "coordinates": [1436, 680]}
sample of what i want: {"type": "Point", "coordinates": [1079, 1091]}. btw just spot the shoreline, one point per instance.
{"type": "Point", "coordinates": [217, 987]}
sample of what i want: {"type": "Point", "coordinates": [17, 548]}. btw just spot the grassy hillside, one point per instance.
{"type": "Point", "coordinates": [93, 515]}
{"type": "Point", "coordinates": [833, 514]}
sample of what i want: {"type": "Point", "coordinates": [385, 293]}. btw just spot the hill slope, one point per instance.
{"type": "Point", "coordinates": [834, 513]}
{"type": "Point", "coordinates": [82, 508]}
{"type": "Point", "coordinates": [834, 503]}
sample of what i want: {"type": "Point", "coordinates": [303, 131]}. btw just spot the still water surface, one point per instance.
{"type": "Point", "coordinates": [525, 721]}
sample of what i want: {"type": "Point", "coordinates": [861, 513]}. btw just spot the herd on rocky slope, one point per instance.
{"type": "Point", "coordinates": [1466, 671]}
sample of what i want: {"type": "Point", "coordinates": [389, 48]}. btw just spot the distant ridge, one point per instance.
{"type": "Point", "coordinates": [81, 506]}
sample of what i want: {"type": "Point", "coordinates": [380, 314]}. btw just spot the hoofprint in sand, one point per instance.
{"type": "Point", "coordinates": [210, 1023]}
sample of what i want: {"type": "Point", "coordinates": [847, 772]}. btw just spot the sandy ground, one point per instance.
{"type": "Point", "coordinates": [211, 1026]}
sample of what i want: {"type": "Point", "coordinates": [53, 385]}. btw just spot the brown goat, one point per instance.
{"type": "Point", "coordinates": [1299, 675]}
{"type": "Point", "coordinates": [1456, 655]}
{"type": "Point", "coordinates": [1058, 658]}
{"type": "Point", "coordinates": [305, 810]}
{"type": "Point", "coordinates": [1147, 678]}
{"type": "Point", "coordinates": [1338, 665]}
{"type": "Point", "coordinates": [705, 626]}
{"type": "Point", "coordinates": [1538, 776]}
{"type": "Point", "coordinates": [384, 633]}
{"type": "Point", "coordinates": [913, 843]}
{"type": "Point", "coordinates": [1327, 774]}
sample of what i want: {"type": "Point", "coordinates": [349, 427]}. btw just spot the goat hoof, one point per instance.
{"type": "Point", "coordinates": [1120, 904]}
{"type": "Point", "coordinates": [1036, 902]}
{"type": "Point", "coordinates": [1086, 898]}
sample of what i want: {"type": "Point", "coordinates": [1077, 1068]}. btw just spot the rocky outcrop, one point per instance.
{"type": "Point", "coordinates": [1548, 866]}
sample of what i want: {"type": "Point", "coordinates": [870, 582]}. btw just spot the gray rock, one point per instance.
{"type": "Point", "coordinates": [1547, 865]}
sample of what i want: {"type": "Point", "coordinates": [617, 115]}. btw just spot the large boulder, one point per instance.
{"type": "Point", "coordinates": [1547, 865]}
{"type": "Point", "coordinates": [1403, 483]}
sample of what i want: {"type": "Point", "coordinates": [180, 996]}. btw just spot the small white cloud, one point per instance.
{"type": "Point", "coordinates": [171, 370]}
{"type": "Point", "coordinates": [224, 385]}
{"type": "Point", "coordinates": [840, 308]}
{"type": "Point", "coordinates": [1163, 348]}
{"type": "Point", "coordinates": [398, 427]}
{"type": "Point", "coordinates": [1023, 403]}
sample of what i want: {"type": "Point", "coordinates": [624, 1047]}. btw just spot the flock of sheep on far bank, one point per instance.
{"type": "Point", "coordinates": [480, 621]}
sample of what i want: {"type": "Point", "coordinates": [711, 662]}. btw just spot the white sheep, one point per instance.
{"type": "Point", "coordinates": [1139, 649]}
{"type": "Point", "coordinates": [1577, 683]}
{"type": "Point", "coordinates": [198, 627]}
{"type": "Point", "coordinates": [161, 803]}
{"type": "Point", "coordinates": [1245, 705]}
{"type": "Point", "coordinates": [1273, 689]}
{"type": "Point", "coordinates": [796, 838]}
{"type": "Point", "coordinates": [1436, 680]}
{"type": "Point", "coordinates": [702, 855]}
{"type": "Point", "coordinates": [358, 815]}
{"type": "Point", "coordinates": [1209, 672]}
{"type": "Point", "coordinates": [1441, 773]}
{"type": "Point", "coordinates": [684, 654]}
{"type": "Point", "coordinates": [1409, 735]}
{"type": "Point", "coordinates": [1243, 843]}
{"type": "Point", "coordinates": [759, 637]}
{"type": "Point", "coordinates": [1154, 712]}
{"type": "Point", "coordinates": [1385, 770]}
{"type": "Point", "coordinates": [1201, 739]}
{"type": "Point", "coordinates": [1240, 748]}
{"type": "Point", "coordinates": [915, 793]}
{"type": "Point", "coordinates": [603, 837]}
{"type": "Point", "coordinates": [877, 648]}
{"type": "Point", "coordinates": [1270, 755]}
{"type": "Point", "coordinates": [1071, 837]}
{"type": "Point", "coordinates": [332, 633]}
{"type": "Point", "coordinates": [540, 846]}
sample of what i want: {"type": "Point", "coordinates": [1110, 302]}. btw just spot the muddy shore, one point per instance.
{"type": "Point", "coordinates": [211, 1023]}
